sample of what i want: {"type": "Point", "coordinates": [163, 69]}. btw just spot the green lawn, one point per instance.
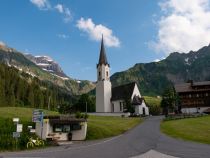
{"type": "Point", "coordinates": [98, 126]}
{"type": "Point", "coordinates": [193, 129]}
{"type": "Point", "coordinates": [25, 114]}
{"type": "Point", "coordinates": [107, 126]}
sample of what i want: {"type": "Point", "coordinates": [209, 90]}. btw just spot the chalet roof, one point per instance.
{"type": "Point", "coordinates": [204, 83]}
{"type": "Point", "coordinates": [102, 57]}
{"type": "Point", "coordinates": [122, 92]}
{"type": "Point", "coordinates": [62, 119]}
{"type": "Point", "coordinates": [190, 87]}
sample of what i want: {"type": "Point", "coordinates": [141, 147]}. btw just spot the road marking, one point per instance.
{"type": "Point", "coordinates": [153, 154]}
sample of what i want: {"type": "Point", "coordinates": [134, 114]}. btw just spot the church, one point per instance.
{"type": "Point", "coordinates": [112, 99]}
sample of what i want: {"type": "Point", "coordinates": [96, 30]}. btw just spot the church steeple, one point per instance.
{"type": "Point", "coordinates": [102, 57]}
{"type": "Point", "coordinates": [103, 85]}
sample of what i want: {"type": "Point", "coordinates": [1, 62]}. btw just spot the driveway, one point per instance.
{"type": "Point", "coordinates": [145, 140]}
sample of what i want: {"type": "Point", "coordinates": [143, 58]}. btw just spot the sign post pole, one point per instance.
{"type": "Point", "coordinates": [38, 116]}
{"type": "Point", "coordinates": [42, 123]}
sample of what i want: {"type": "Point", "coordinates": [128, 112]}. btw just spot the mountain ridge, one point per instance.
{"type": "Point", "coordinates": [153, 77]}
{"type": "Point", "coordinates": [12, 57]}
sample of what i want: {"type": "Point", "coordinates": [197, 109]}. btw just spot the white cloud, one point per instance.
{"type": "Point", "coordinates": [157, 60]}
{"type": "Point", "coordinates": [65, 11]}
{"type": "Point", "coordinates": [41, 4]}
{"type": "Point", "coordinates": [59, 8]}
{"type": "Point", "coordinates": [2, 43]}
{"type": "Point", "coordinates": [95, 32]}
{"type": "Point", "coordinates": [64, 36]}
{"type": "Point", "coordinates": [68, 15]}
{"type": "Point", "coordinates": [184, 26]}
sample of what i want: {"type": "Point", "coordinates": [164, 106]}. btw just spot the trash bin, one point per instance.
{"type": "Point", "coordinates": [70, 136]}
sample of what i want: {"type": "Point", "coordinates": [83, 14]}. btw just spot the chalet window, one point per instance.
{"type": "Point", "coordinates": [66, 128]}
{"type": "Point", "coordinates": [61, 128]}
{"type": "Point", "coordinates": [76, 126]}
{"type": "Point", "coordinates": [57, 128]}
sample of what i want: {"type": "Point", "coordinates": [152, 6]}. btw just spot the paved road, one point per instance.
{"type": "Point", "coordinates": [145, 138]}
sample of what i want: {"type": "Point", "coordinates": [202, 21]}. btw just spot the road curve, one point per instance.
{"type": "Point", "coordinates": [143, 138]}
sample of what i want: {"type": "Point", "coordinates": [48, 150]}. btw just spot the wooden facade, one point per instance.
{"type": "Point", "coordinates": [194, 94]}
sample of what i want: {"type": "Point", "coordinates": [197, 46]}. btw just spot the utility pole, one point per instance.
{"type": "Point", "coordinates": [86, 107]}
{"type": "Point", "coordinates": [49, 103]}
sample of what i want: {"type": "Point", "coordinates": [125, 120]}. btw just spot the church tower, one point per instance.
{"type": "Point", "coordinates": [103, 86]}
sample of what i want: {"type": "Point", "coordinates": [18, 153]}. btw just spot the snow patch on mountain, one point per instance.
{"type": "Point", "coordinates": [47, 64]}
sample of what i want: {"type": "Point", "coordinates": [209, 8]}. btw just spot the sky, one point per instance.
{"type": "Point", "coordinates": [134, 31]}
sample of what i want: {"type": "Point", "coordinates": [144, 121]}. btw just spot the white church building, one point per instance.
{"type": "Point", "coordinates": [112, 99]}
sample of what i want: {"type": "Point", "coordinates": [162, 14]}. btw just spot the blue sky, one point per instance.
{"type": "Point", "coordinates": [135, 31]}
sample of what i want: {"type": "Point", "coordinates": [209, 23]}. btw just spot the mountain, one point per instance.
{"type": "Point", "coordinates": [47, 64]}
{"type": "Point", "coordinates": [18, 88]}
{"type": "Point", "coordinates": [43, 68]}
{"type": "Point", "coordinates": [153, 77]}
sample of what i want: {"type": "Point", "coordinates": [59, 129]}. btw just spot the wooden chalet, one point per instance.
{"type": "Point", "coordinates": [194, 96]}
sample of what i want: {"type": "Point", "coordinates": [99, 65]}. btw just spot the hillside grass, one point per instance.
{"type": "Point", "coordinates": [107, 126]}
{"type": "Point", "coordinates": [25, 114]}
{"type": "Point", "coordinates": [154, 105]}
{"type": "Point", "coordinates": [192, 129]}
{"type": "Point", "coordinates": [7, 127]}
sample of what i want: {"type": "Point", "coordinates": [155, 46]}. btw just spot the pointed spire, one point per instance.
{"type": "Point", "coordinates": [102, 58]}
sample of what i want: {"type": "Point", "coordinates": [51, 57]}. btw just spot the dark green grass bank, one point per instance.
{"type": "Point", "coordinates": [192, 129]}
{"type": "Point", "coordinates": [7, 127]}
{"type": "Point", "coordinates": [106, 126]}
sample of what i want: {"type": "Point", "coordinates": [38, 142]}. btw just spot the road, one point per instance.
{"type": "Point", "coordinates": [145, 138]}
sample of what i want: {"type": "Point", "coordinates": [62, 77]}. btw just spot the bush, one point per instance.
{"type": "Point", "coordinates": [7, 142]}
{"type": "Point", "coordinates": [81, 115]}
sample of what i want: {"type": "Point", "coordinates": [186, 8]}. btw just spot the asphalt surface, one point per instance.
{"type": "Point", "coordinates": [144, 138]}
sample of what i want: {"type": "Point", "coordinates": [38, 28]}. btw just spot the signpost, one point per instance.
{"type": "Point", "coordinates": [19, 128]}
{"type": "Point", "coordinates": [38, 116]}
{"type": "Point", "coordinates": [15, 134]}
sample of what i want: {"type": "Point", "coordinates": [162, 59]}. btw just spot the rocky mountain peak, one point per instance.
{"type": "Point", "coordinates": [47, 64]}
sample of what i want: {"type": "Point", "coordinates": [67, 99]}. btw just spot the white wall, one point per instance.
{"type": "Point", "coordinates": [139, 109]}
{"type": "Point", "coordinates": [46, 128]}
{"type": "Point", "coordinates": [103, 89]}
{"type": "Point", "coordinates": [60, 136]}
{"type": "Point", "coordinates": [103, 96]}
{"type": "Point", "coordinates": [117, 105]}
{"type": "Point", "coordinates": [80, 134]}
{"type": "Point", "coordinates": [103, 75]}
{"type": "Point", "coordinates": [135, 92]}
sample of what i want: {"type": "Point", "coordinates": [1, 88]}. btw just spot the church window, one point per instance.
{"type": "Point", "coordinates": [107, 74]}
{"type": "Point", "coordinates": [99, 73]}
{"type": "Point", "coordinates": [121, 106]}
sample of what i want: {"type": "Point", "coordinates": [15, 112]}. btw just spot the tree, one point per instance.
{"type": "Point", "coordinates": [169, 98]}
{"type": "Point", "coordinates": [83, 100]}
{"type": "Point", "coordinates": [128, 106]}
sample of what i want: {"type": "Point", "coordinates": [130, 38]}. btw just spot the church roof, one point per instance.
{"type": "Point", "coordinates": [137, 100]}
{"type": "Point", "coordinates": [102, 57]}
{"type": "Point", "coordinates": [122, 92]}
